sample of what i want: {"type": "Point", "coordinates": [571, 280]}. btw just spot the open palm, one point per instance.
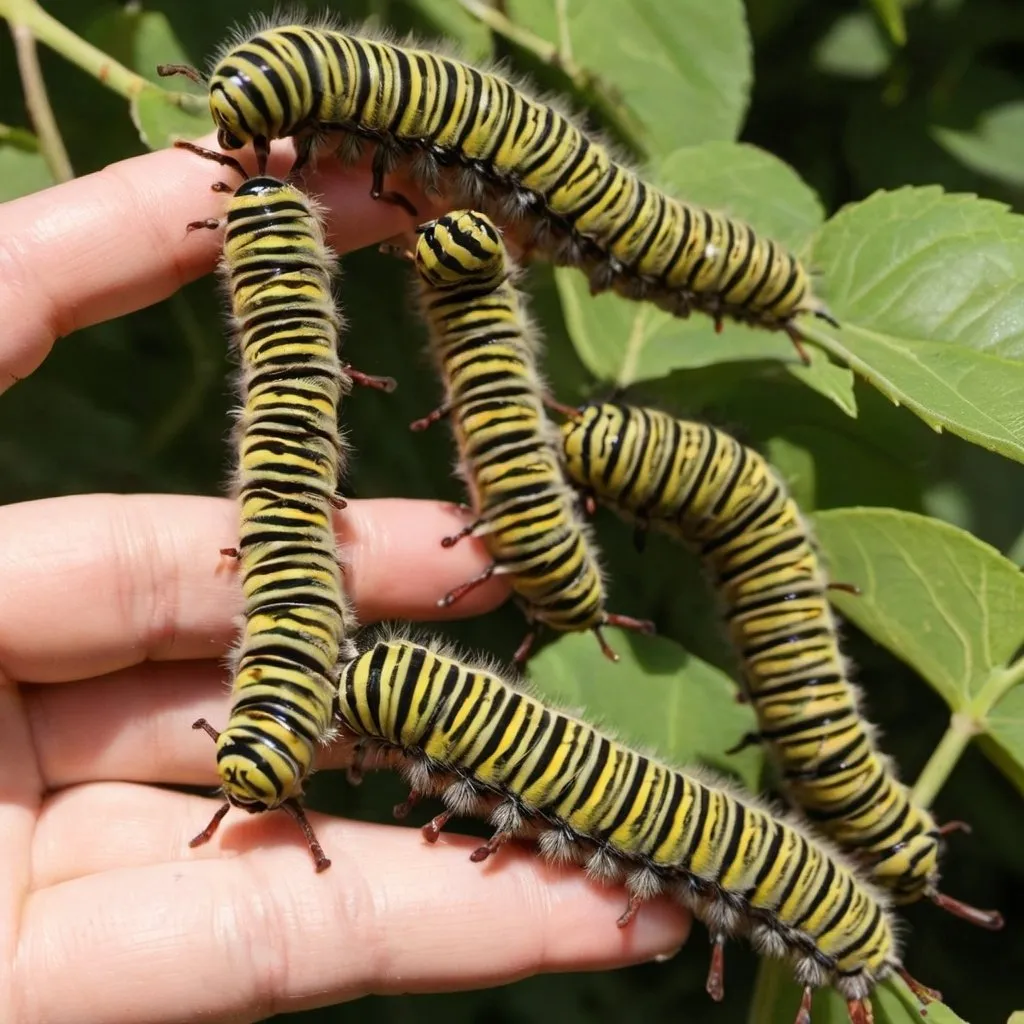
{"type": "Point", "coordinates": [115, 613]}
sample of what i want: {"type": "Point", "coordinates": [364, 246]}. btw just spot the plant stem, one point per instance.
{"type": "Point", "coordinates": [498, 22]}
{"type": "Point", "coordinates": [40, 113]}
{"type": "Point", "coordinates": [963, 727]}
{"type": "Point", "coordinates": [564, 36]}
{"type": "Point", "coordinates": [47, 30]}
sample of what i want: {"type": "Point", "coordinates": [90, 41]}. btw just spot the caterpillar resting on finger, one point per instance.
{"type": "Point", "coordinates": [463, 732]}
{"type": "Point", "coordinates": [722, 499]}
{"type": "Point", "coordinates": [524, 509]}
{"type": "Point", "coordinates": [298, 621]}
{"type": "Point", "coordinates": [488, 143]}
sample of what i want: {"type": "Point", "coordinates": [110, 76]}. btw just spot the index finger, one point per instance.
{"type": "Point", "coordinates": [113, 242]}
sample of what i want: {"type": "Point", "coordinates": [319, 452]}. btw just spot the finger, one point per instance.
{"type": "Point", "coordinates": [94, 583]}
{"type": "Point", "coordinates": [134, 725]}
{"type": "Point", "coordinates": [259, 933]}
{"type": "Point", "coordinates": [112, 242]}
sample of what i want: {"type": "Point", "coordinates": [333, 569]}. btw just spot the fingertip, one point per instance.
{"type": "Point", "coordinates": [401, 570]}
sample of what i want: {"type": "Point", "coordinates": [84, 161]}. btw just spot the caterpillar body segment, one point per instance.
{"type": "Point", "coordinates": [488, 143]}
{"type": "Point", "coordinates": [524, 510]}
{"type": "Point", "coordinates": [722, 499]}
{"type": "Point", "coordinates": [297, 618]}
{"type": "Point", "coordinates": [464, 733]}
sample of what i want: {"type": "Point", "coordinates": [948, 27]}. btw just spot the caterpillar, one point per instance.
{"type": "Point", "coordinates": [461, 731]}
{"type": "Point", "coordinates": [524, 509]}
{"type": "Point", "coordinates": [298, 621]}
{"type": "Point", "coordinates": [488, 143]}
{"type": "Point", "coordinates": [721, 498]}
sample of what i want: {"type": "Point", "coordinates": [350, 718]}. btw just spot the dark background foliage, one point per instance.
{"type": "Point", "coordinates": [142, 404]}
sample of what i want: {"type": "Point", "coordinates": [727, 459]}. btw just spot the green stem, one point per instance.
{"type": "Point", "coordinates": [564, 36]}
{"type": "Point", "coordinates": [498, 22]}
{"type": "Point", "coordinates": [40, 113]}
{"type": "Point", "coordinates": [47, 30]}
{"type": "Point", "coordinates": [963, 727]}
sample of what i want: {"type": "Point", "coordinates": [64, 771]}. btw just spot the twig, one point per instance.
{"type": "Point", "coordinates": [40, 113]}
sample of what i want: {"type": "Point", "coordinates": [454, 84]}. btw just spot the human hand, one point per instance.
{"type": "Point", "coordinates": [115, 612]}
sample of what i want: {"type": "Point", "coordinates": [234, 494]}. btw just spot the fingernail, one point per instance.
{"type": "Point", "coordinates": [660, 958]}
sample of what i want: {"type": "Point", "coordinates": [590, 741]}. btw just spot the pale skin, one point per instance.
{"type": "Point", "coordinates": [115, 612]}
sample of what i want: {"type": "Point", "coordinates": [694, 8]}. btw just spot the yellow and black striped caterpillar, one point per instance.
{"type": "Point", "coordinates": [462, 732]}
{"type": "Point", "coordinates": [487, 143]}
{"type": "Point", "coordinates": [524, 509]}
{"type": "Point", "coordinates": [298, 621]}
{"type": "Point", "coordinates": [721, 498]}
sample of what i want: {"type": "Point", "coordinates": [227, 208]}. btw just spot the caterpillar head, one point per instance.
{"type": "Point", "coordinates": [261, 768]}
{"type": "Point", "coordinates": [461, 247]}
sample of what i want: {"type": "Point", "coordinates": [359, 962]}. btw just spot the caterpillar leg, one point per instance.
{"type": "Point", "coordinates": [849, 588]}
{"type": "Point", "coordinates": [452, 539]}
{"type": "Point", "coordinates": [303, 151]}
{"type": "Point", "coordinates": [525, 646]}
{"type": "Point", "coordinates": [495, 843]}
{"type": "Point", "coordinates": [715, 984]}
{"type": "Point", "coordinates": [337, 501]}
{"type": "Point", "coordinates": [207, 834]}
{"type": "Point", "coordinates": [320, 860]}
{"type": "Point", "coordinates": [401, 811]}
{"type": "Point", "coordinates": [434, 827]}
{"type": "Point", "coordinates": [186, 70]}
{"type": "Point", "coordinates": [220, 158]}
{"type": "Point", "coordinates": [803, 1014]}
{"type": "Point", "coordinates": [798, 343]}
{"type": "Point", "coordinates": [379, 169]}
{"type": "Point", "coordinates": [355, 772]}
{"type": "Point", "coordinates": [954, 826]}
{"type": "Point", "coordinates": [991, 920]}
{"type": "Point", "coordinates": [432, 417]}
{"type": "Point", "coordinates": [463, 589]}
{"type": "Point", "coordinates": [563, 410]}
{"type": "Point", "coordinates": [747, 740]}
{"type": "Point", "coordinates": [293, 807]}
{"type": "Point", "coordinates": [368, 380]}
{"type": "Point", "coordinates": [632, 906]}
{"type": "Point", "coordinates": [644, 626]}
{"type": "Point", "coordinates": [859, 1011]}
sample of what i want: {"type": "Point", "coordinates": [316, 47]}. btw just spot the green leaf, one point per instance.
{"type": "Point", "coordinates": [945, 603]}
{"type": "Point", "coordinates": [1017, 1017]}
{"type": "Point", "coordinates": [1004, 742]}
{"type": "Point", "coordinates": [995, 147]}
{"type": "Point", "coordinates": [626, 342]}
{"type": "Point", "coordinates": [930, 290]}
{"type": "Point", "coordinates": [682, 66]}
{"type": "Point", "coordinates": [161, 116]}
{"type": "Point", "coordinates": [853, 47]}
{"type": "Point", "coordinates": [776, 998]}
{"type": "Point", "coordinates": [657, 695]}
{"type": "Point", "coordinates": [22, 168]}
{"type": "Point", "coordinates": [890, 14]}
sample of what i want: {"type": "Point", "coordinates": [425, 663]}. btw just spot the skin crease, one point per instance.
{"type": "Point", "coordinates": [114, 614]}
